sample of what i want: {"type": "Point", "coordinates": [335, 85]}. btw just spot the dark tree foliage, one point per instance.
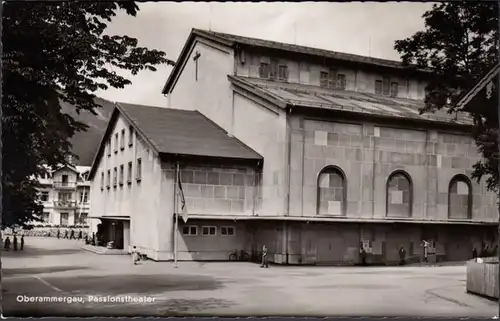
{"type": "Point", "coordinates": [53, 52]}
{"type": "Point", "coordinates": [459, 46]}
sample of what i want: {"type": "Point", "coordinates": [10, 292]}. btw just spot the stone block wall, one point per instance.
{"type": "Point", "coordinates": [219, 190]}
{"type": "Point", "coordinates": [368, 154]}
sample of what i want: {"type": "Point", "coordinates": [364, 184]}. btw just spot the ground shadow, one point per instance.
{"type": "Point", "coordinates": [42, 270]}
{"type": "Point", "coordinates": [138, 284]}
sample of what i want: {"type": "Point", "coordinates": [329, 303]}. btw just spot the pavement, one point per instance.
{"type": "Point", "coordinates": [51, 269]}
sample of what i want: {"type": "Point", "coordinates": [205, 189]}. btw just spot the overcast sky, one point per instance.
{"type": "Point", "coordinates": [366, 28]}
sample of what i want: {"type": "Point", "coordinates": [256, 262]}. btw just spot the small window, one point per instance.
{"type": "Point", "coordinates": [108, 183]}
{"type": "Point", "coordinates": [44, 196]}
{"type": "Point", "coordinates": [102, 180]}
{"type": "Point", "coordinates": [264, 70]}
{"type": "Point", "coordinates": [122, 140]}
{"type": "Point", "coordinates": [227, 230]}
{"type": "Point", "coordinates": [121, 174]}
{"type": "Point", "coordinates": [129, 173]}
{"type": "Point", "coordinates": [283, 72]}
{"type": "Point", "coordinates": [138, 175]}
{"type": "Point", "coordinates": [273, 69]}
{"type": "Point", "coordinates": [191, 230]}
{"type": "Point", "coordinates": [208, 231]}
{"type": "Point", "coordinates": [386, 83]}
{"type": "Point", "coordinates": [378, 87]}
{"type": "Point", "coordinates": [341, 82]}
{"type": "Point", "coordinates": [323, 79]}
{"type": "Point", "coordinates": [46, 217]}
{"type": "Point", "coordinates": [84, 197]}
{"type": "Point", "coordinates": [394, 89]}
{"type": "Point", "coordinates": [130, 136]}
{"type": "Point", "coordinates": [115, 174]}
{"type": "Point", "coordinates": [109, 147]}
{"type": "Point", "coordinates": [116, 143]}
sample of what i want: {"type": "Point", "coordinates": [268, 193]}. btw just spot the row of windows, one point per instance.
{"type": "Point", "coordinates": [65, 196]}
{"type": "Point", "coordinates": [328, 79]}
{"type": "Point", "coordinates": [118, 179]}
{"type": "Point", "coordinates": [122, 141]}
{"type": "Point", "coordinates": [80, 219]}
{"type": "Point", "coordinates": [192, 230]}
{"type": "Point", "coordinates": [332, 194]}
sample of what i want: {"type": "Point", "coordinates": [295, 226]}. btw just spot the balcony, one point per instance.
{"type": "Point", "coordinates": [65, 185]}
{"type": "Point", "coordinates": [65, 204]}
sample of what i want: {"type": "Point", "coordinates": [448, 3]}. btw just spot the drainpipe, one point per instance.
{"type": "Point", "coordinates": [289, 175]}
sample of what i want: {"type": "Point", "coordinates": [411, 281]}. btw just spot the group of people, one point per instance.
{"type": "Point", "coordinates": [7, 243]}
{"type": "Point", "coordinates": [70, 235]}
{"type": "Point", "coordinates": [485, 251]}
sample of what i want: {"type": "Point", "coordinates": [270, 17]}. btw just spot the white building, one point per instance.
{"type": "Point", "coordinates": [65, 194]}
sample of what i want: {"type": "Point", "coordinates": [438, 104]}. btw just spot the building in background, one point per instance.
{"type": "Point", "coordinates": [348, 161]}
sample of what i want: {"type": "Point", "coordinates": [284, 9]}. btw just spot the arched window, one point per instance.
{"type": "Point", "coordinates": [460, 197]}
{"type": "Point", "coordinates": [399, 194]}
{"type": "Point", "coordinates": [332, 191]}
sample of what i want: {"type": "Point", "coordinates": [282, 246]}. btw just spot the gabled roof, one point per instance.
{"type": "Point", "coordinates": [300, 95]}
{"type": "Point", "coordinates": [178, 132]}
{"type": "Point", "coordinates": [234, 40]}
{"type": "Point", "coordinates": [462, 103]}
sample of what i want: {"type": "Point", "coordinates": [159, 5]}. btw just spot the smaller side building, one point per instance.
{"type": "Point", "coordinates": [65, 196]}
{"type": "Point", "coordinates": [133, 184]}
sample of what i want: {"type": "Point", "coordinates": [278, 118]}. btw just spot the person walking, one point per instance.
{"type": "Point", "coordinates": [135, 255]}
{"type": "Point", "coordinates": [402, 256]}
{"type": "Point", "coordinates": [425, 246]}
{"type": "Point", "coordinates": [66, 234]}
{"type": "Point", "coordinates": [72, 235]}
{"type": "Point", "coordinates": [15, 242]}
{"type": "Point", "coordinates": [265, 263]}
{"type": "Point", "coordinates": [362, 254]}
{"type": "Point", "coordinates": [80, 235]}
{"type": "Point", "coordinates": [7, 244]}
{"type": "Point", "coordinates": [58, 234]}
{"type": "Point", "coordinates": [22, 242]}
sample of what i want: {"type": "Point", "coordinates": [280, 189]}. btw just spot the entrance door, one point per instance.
{"type": "Point", "coordinates": [118, 235]}
{"type": "Point", "coordinates": [331, 248]}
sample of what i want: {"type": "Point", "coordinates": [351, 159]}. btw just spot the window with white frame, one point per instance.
{"type": "Point", "coordinates": [208, 231]}
{"type": "Point", "coordinates": [227, 230]}
{"type": "Point", "coordinates": [130, 135]}
{"type": "Point", "coordinates": [44, 196]}
{"type": "Point", "coordinates": [46, 217]}
{"type": "Point", "coordinates": [122, 140]}
{"type": "Point", "coordinates": [121, 175]}
{"type": "Point", "coordinates": [102, 181]}
{"type": "Point", "coordinates": [109, 147]}
{"type": "Point", "coordinates": [84, 197]}
{"type": "Point", "coordinates": [129, 173]}
{"type": "Point", "coordinates": [116, 143]}
{"type": "Point", "coordinates": [115, 176]}
{"type": "Point", "coordinates": [191, 230]}
{"type": "Point", "coordinates": [108, 183]}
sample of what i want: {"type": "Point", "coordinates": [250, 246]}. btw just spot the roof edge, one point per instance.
{"type": "Point", "coordinates": [469, 95]}
{"type": "Point", "coordinates": [254, 89]}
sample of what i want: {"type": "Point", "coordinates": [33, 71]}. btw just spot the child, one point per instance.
{"type": "Point", "coordinates": [135, 255]}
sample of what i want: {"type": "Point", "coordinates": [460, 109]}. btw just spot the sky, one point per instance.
{"type": "Point", "coordinates": [363, 28]}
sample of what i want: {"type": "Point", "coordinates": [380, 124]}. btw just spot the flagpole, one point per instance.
{"type": "Point", "coordinates": [176, 215]}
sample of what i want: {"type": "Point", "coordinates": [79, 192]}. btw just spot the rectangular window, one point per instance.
{"type": "Point", "coordinates": [386, 86]}
{"type": "Point", "coordinates": [129, 173]}
{"type": "Point", "coordinates": [208, 231]}
{"type": "Point", "coordinates": [109, 147]}
{"type": "Point", "coordinates": [130, 135]}
{"type": "Point", "coordinates": [341, 82]}
{"type": "Point", "coordinates": [138, 174]}
{"type": "Point", "coordinates": [116, 143]}
{"type": "Point", "coordinates": [44, 196]}
{"type": "Point", "coordinates": [227, 230]}
{"type": "Point", "coordinates": [121, 175]}
{"type": "Point", "coordinates": [323, 79]}
{"type": "Point", "coordinates": [102, 181]}
{"type": "Point", "coordinates": [122, 140]}
{"type": "Point", "coordinates": [273, 69]}
{"type": "Point", "coordinates": [264, 70]}
{"type": "Point", "coordinates": [115, 174]}
{"type": "Point", "coordinates": [64, 196]}
{"type": "Point", "coordinates": [83, 219]}
{"type": "Point", "coordinates": [191, 230]}
{"type": "Point", "coordinates": [108, 183]}
{"type": "Point", "coordinates": [46, 217]}
{"type": "Point", "coordinates": [64, 219]}
{"type": "Point", "coordinates": [84, 197]}
{"type": "Point", "coordinates": [394, 89]}
{"type": "Point", "coordinates": [283, 72]}
{"type": "Point", "coordinates": [378, 87]}
{"type": "Point", "coordinates": [332, 78]}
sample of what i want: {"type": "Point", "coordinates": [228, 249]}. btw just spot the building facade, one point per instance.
{"type": "Point", "coordinates": [65, 196]}
{"type": "Point", "coordinates": [347, 161]}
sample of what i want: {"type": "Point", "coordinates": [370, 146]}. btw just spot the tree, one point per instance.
{"type": "Point", "coordinates": [458, 46]}
{"type": "Point", "coordinates": [55, 52]}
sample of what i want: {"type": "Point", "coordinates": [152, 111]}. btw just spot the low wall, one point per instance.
{"type": "Point", "coordinates": [482, 278]}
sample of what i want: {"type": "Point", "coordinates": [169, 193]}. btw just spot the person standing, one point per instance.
{"type": "Point", "coordinates": [72, 235]}
{"type": "Point", "coordinates": [135, 255]}
{"type": "Point", "coordinates": [425, 246]}
{"type": "Point", "coordinates": [7, 244]}
{"type": "Point", "coordinates": [362, 254]}
{"type": "Point", "coordinates": [402, 255]}
{"type": "Point", "coordinates": [66, 234]}
{"type": "Point", "coordinates": [80, 235]}
{"type": "Point", "coordinates": [265, 263]}
{"type": "Point", "coordinates": [15, 242]}
{"type": "Point", "coordinates": [22, 242]}
{"type": "Point", "coordinates": [58, 234]}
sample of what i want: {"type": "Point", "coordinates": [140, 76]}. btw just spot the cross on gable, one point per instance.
{"type": "Point", "coordinates": [195, 59]}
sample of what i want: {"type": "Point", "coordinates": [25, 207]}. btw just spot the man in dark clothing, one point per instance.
{"type": "Point", "coordinates": [58, 234]}
{"type": "Point", "coordinates": [72, 237]}
{"type": "Point", "coordinates": [80, 235]}
{"type": "Point", "coordinates": [362, 254]}
{"type": "Point", "coordinates": [402, 255]}
{"type": "Point", "coordinates": [15, 243]}
{"type": "Point", "coordinates": [22, 242]}
{"type": "Point", "coordinates": [66, 234]}
{"type": "Point", "coordinates": [7, 244]}
{"type": "Point", "coordinates": [265, 263]}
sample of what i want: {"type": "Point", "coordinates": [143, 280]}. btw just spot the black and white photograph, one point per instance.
{"type": "Point", "coordinates": [250, 159]}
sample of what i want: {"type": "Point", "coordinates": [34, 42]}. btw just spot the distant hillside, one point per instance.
{"type": "Point", "coordinates": [85, 144]}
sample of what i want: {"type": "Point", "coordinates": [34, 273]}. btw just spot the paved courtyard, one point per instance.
{"type": "Point", "coordinates": [60, 268]}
